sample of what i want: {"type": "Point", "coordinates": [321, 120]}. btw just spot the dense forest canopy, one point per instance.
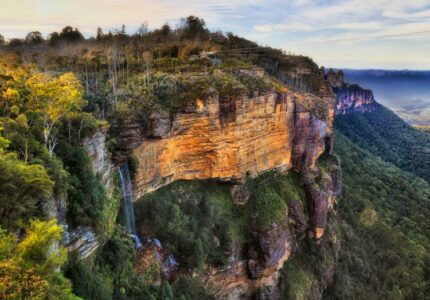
{"type": "Point", "coordinates": [386, 135]}
{"type": "Point", "coordinates": [384, 212]}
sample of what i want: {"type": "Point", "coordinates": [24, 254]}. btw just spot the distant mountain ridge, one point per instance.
{"type": "Point", "coordinates": [350, 97]}
{"type": "Point", "coordinates": [377, 129]}
{"type": "Point", "coordinates": [406, 92]}
{"type": "Point", "coordinates": [386, 73]}
{"type": "Point", "coordinates": [385, 200]}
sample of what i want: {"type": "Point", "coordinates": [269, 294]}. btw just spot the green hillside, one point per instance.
{"type": "Point", "coordinates": [384, 215]}
{"type": "Point", "coordinates": [386, 135]}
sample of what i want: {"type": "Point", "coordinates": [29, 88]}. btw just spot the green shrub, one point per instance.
{"type": "Point", "coordinates": [270, 194]}
{"type": "Point", "coordinates": [88, 283]}
{"type": "Point", "coordinates": [88, 201]}
{"type": "Point", "coordinates": [192, 219]}
{"type": "Point", "coordinates": [191, 288]}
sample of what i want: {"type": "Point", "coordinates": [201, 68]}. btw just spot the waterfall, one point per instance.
{"type": "Point", "coordinates": [127, 203]}
{"type": "Point", "coordinates": [169, 263]}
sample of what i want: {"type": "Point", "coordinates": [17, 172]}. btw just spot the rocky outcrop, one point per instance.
{"type": "Point", "coordinates": [240, 194]}
{"type": "Point", "coordinates": [154, 262]}
{"type": "Point", "coordinates": [95, 146]}
{"type": "Point", "coordinates": [336, 79]}
{"type": "Point", "coordinates": [272, 248]}
{"type": "Point", "coordinates": [353, 98]}
{"type": "Point", "coordinates": [83, 240]}
{"type": "Point", "coordinates": [350, 97]}
{"type": "Point", "coordinates": [259, 273]}
{"type": "Point", "coordinates": [313, 136]}
{"type": "Point", "coordinates": [256, 274]}
{"type": "Point", "coordinates": [296, 216]}
{"type": "Point", "coordinates": [321, 192]}
{"type": "Point", "coordinates": [230, 140]}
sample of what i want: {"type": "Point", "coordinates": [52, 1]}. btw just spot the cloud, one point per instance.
{"type": "Point", "coordinates": [296, 27]}
{"type": "Point", "coordinates": [263, 28]}
{"type": "Point", "coordinates": [371, 25]}
{"type": "Point", "coordinates": [88, 15]}
{"type": "Point", "coordinates": [399, 32]}
{"type": "Point", "coordinates": [304, 26]}
{"type": "Point", "coordinates": [419, 15]}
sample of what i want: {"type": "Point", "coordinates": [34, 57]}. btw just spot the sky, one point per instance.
{"type": "Point", "coordinates": [386, 34]}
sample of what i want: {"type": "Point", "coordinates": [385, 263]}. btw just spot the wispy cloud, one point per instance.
{"type": "Point", "coordinates": [304, 26]}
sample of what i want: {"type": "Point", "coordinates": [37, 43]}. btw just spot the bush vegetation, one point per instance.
{"type": "Point", "coordinates": [270, 194]}
{"type": "Point", "coordinates": [199, 223]}
{"type": "Point", "coordinates": [110, 275]}
{"type": "Point", "coordinates": [29, 265]}
{"type": "Point", "coordinates": [42, 124]}
{"type": "Point", "coordinates": [384, 134]}
{"type": "Point", "coordinates": [385, 256]}
{"type": "Point", "coordinates": [196, 221]}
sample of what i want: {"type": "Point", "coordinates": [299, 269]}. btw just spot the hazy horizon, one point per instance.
{"type": "Point", "coordinates": [405, 92]}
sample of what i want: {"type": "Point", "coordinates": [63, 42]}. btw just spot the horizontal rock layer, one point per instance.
{"type": "Point", "coordinates": [350, 97]}
{"type": "Point", "coordinates": [353, 98]}
{"type": "Point", "coordinates": [229, 139]}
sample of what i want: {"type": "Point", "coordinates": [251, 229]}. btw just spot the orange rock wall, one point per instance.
{"type": "Point", "coordinates": [210, 141]}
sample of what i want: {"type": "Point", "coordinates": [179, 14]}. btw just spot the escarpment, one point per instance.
{"type": "Point", "coordinates": [248, 137]}
{"type": "Point", "coordinates": [350, 97]}
{"type": "Point", "coordinates": [230, 140]}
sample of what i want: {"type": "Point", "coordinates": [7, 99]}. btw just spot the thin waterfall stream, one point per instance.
{"type": "Point", "coordinates": [169, 262]}
{"type": "Point", "coordinates": [127, 198]}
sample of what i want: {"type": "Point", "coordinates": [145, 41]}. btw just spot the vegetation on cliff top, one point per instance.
{"type": "Point", "coordinates": [114, 66]}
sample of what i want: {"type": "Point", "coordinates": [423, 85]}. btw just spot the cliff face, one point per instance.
{"type": "Point", "coordinates": [353, 98]}
{"type": "Point", "coordinates": [350, 97]}
{"type": "Point", "coordinates": [232, 140]}
{"type": "Point", "coordinates": [95, 146]}
{"type": "Point", "coordinates": [84, 240]}
{"type": "Point", "coordinates": [257, 275]}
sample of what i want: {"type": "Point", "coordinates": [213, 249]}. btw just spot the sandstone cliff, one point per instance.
{"type": "Point", "coordinates": [213, 140]}
{"type": "Point", "coordinates": [230, 140]}
{"type": "Point", "coordinates": [350, 97]}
